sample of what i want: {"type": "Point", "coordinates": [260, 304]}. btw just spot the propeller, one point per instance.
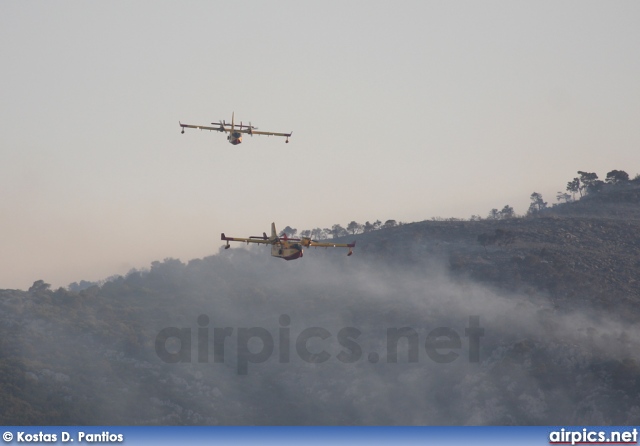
{"type": "Point", "coordinates": [306, 241]}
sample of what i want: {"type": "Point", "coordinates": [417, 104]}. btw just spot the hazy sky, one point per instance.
{"type": "Point", "coordinates": [401, 110]}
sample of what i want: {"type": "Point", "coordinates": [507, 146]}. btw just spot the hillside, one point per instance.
{"type": "Point", "coordinates": [585, 250]}
{"type": "Point", "coordinates": [556, 297]}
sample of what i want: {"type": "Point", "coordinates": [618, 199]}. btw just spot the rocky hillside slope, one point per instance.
{"type": "Point", "coordinates": [583, 252]}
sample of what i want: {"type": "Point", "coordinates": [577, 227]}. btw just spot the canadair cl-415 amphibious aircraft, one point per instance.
{"type": "Point", "coordinates": [284, 247]}
{"type": "Point", "coordinates": [234, 130]}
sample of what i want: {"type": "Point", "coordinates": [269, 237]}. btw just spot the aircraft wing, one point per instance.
{"type": "Point", "coordinates": [247, 240]}
{"type": "Point", "coordinates": [331, 245]}
{"type": "Point", "coordinates": [219, 128]}
{"type": "Point", "coordinates": [257, 132]}
{"type": "Point", "coordinates": [227, 128]}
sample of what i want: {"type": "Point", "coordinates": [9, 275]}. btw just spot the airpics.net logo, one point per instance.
{"type": "Point", "coordinates": [256, 345]}
{"type": "Point", "coordinates": [591, 436]}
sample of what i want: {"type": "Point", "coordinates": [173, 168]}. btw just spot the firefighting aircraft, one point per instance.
{"type": "Point", "coordinates": [284, 247]}
{"type": "Point", "coordinates": [234, 131]}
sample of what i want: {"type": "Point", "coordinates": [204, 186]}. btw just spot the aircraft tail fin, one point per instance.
{"type": "Point", "coordinates": [274, 234]}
